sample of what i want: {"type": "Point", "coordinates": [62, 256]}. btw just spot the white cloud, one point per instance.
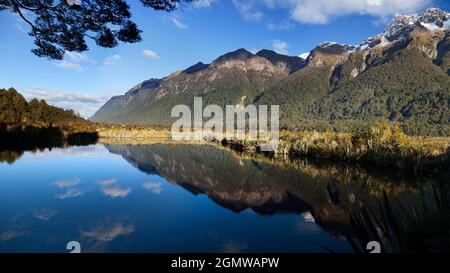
{"type": "Point", "coordinates": [76, 57]}
{"type": "Point", "coordinates": [248, 10]}
{"type": "Point", "coordinates": [45, 214]}
{"type": "Point", "coordinates": [84, 104]}
{"type": "Point", "coordinates": [322, 11]}
{"type": "Point", "coordinates": [110, 188]}
{"type": "Point", "coordinates": [109, 232]}
{"type": "Point", "coordinates": [202, 3]}
{"type": "Point", "coordinates": [111, 60]}
{"type": "Point", "coordinates": [150, 54]}
{"type": "Point", "coordinates": [156, 188]}
{"type": "Point", "coordinates": [116, 191]}
{"type": "Point", "coordinates": [179, 24]}
{"type": "Point", "coordinates": [11, 234]}
{"type": "Point", "coordinates": [70, 193]}
{"type": "Point", "coordinates": [73, 61]}
{"type": "Point", "coordinates": [67, 183]}
{"type": "Point", "coordinates": [107, 182]}
{"type": "Point", "coordinates": [280, 47]}
{"type": "Point", "coordinates": [69, 66]}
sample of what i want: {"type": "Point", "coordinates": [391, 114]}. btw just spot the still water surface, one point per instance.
{"type": "Point", "coordinates": [177, 198]}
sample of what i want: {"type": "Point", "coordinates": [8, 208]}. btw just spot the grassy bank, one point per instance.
{"type": "Point", "coordinates": [381, 146]}
{"type": "Point", "coordinates": [133, 133]}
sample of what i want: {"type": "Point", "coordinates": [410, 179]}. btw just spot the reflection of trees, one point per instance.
{"type": "Point", "coordinates": [267, 186]}
{"type": "Point", "coordinates": [15, 141]}
{"type": "Point", "coordinates": [9, 156]}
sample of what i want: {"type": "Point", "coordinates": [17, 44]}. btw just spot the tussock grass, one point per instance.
{"type": "Point", "coordinates": [382, 145]}
{"type": "Point", "coordinates": [132, 132]}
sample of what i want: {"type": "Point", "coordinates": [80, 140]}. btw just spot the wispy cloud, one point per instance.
{"type": "Point", "coordinates": [69, 193]}
{"type": "Point", "coordinates": [73, 61]}
{"type": "Point", "coordinates": [111, 60]}
{"type": "Point", "coordinates": [76, 57]}
{"type": "Point", "coordinates": [84, 104]}
{"type": "Point", "coordinates": [19, 23]}
{"type": "Point", "coordinates": [69, 187]}
{"type": "Point", "coordinates": [110, 188]}
{"type": "Point", "coordinates": [107, 182]}
{"type": "Point", "coordinates": [20, 27]}
{"type": "Point", "coordinates": [176, 18]}
{"type": "Point", "coordinates": [11, 234]}
{"type": "Point", "coordinates": [70, 66]}
{"type": "Point", "coordinates": [150, 54]}
{"type": "Point", "coordinates": [67, 183]}
{"type": "Point", "coordinates": [202, 3]}
{"type": "Point", "coordinates": [156, 188]}
{"type": "Point", "coordinates": [116, 191]}
{"type": "Point", "coordinates": [45, 214]}
{"type": "Point", "coordinates": [286, 24]}
{"type": "Point", "coordinates": [248, 10]}
{"type": "Point", "coordinates": [178, 24]}
{"type": "Point", "coordinates": [108, 232]}
{"type": "Point", "coordinates": [280, 47]}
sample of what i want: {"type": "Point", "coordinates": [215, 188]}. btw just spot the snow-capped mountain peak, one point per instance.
{"type": "Point", "coordinates": [304, 56]}
{"type": "Point", "coordinates": [334, 47]}
{"type": "Point", "coordinates": [401, 26]}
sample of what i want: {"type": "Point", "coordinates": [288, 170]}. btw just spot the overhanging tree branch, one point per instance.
{"type": "Point", "coordinates": [59, 27]}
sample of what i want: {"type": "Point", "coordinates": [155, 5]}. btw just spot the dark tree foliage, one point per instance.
{"type": "Point", "coordinates": [63, 25]}
{"type": "Point", "coordinates": [14, 109]}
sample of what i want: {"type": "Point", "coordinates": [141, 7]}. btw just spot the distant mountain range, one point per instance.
{"type": "Point", "coordinates": [401, 75]}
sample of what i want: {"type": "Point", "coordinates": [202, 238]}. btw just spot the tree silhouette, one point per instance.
{"type": "Point", "coordinates": [63, 25]}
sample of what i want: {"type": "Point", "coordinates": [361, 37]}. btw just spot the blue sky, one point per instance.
{"type": "Point", "coordinates": [196, 32]}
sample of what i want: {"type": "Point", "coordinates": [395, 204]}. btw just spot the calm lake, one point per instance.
{"type": "Point", "coordinates": [191, 198]}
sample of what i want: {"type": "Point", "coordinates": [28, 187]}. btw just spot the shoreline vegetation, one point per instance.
{"type": "Point", "coordinates": [383, 145]}
{"type": "Point", "coordinates": [35, 124]}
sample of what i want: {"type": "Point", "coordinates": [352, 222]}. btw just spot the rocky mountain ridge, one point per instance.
{"type": "Point", "coordinates": [405, 67]}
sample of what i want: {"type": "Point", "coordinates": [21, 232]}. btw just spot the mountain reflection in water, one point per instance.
{"type": "Point", "coordinates": [90, 194]}
{"type": "Point", "coordinates": [330, 195]}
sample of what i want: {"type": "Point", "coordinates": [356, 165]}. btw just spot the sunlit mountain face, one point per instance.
{"type": "Point", "coordinates": [400, 75]}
